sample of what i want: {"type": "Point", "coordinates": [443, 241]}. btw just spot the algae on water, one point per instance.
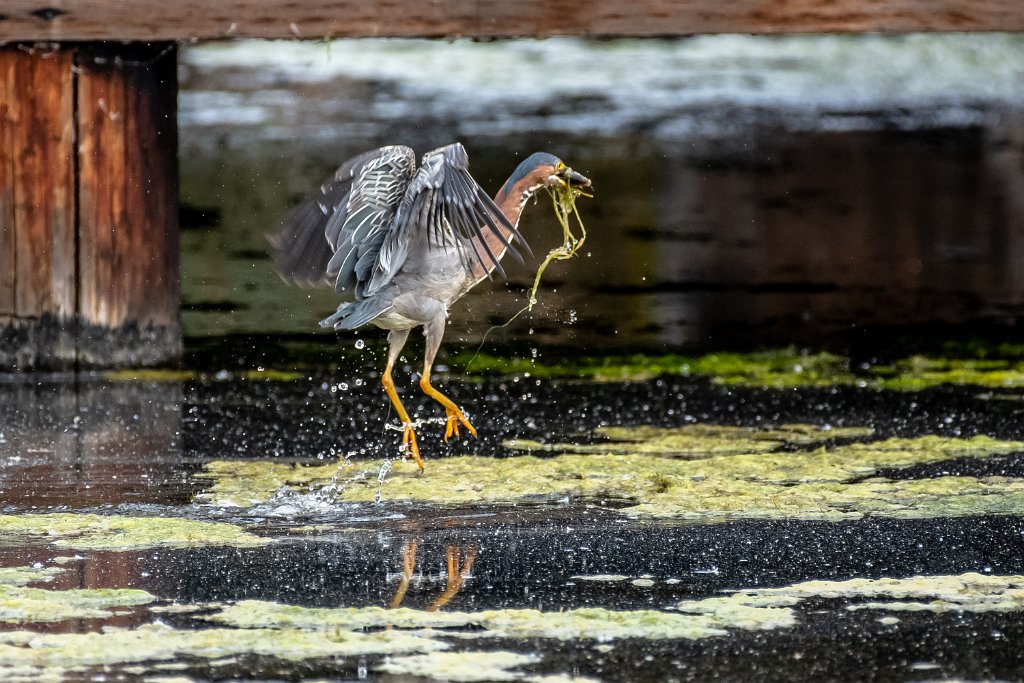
{"type": "Point", "coordinates": [970, 592]}
{"type": "Point", "coordinates": [18, 603]}
{"type": "Point", "coordinates": [170, 375]}
{"type": "Point", "coordinates": [117, 532]}
{"type": "Point", "coordinates": [461, 667]}
{"type": "Point", "coordinates": [700, 440]}
{"type": "Point", "coordinates": [588, 623]}
{"type": "Point", "coordinates": [782, 368]}
{"type": "Point", "coordinates": [22, 576]}
{"type": "Point", "coordinates": [419, 642]}
{"type": "Point", "coordinates": [24, 653]}
{"type": "Point", "coordinates": [700, 473]}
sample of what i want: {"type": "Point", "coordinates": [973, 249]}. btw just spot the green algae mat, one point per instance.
{"type": "Point", "coordinates": [456, 645]}
{"type": "Point", "coordinates": [698, 473]}
{"type": "Point", "coordinates": [21, 603]}
{"type": "Point", "coordinates": [1001, 367]}
{"type": "Point", "coordinates": [120, 532]}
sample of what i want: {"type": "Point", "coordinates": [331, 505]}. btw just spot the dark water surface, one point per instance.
{"type": "Point", "coordinates": [750, 192]}
{"type": "Point", "coordinates": [134, 448]}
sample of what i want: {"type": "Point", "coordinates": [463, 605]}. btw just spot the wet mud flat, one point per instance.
{"type": "Point", "coordinates": [236, 524]}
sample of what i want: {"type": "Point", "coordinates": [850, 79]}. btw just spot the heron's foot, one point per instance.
{"type": "Point", "coordinates": [410, 446]}
{"type": "Point", "coordinates": [451, 427]}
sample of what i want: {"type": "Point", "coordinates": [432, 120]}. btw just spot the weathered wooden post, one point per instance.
{"type": "Point", "coordinates": [88, 205]}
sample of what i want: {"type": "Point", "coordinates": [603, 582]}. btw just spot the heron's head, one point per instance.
{"type": "Point", "coordinates": [560, 175]}
{"type": "Point", "coordinates": [542, 170]}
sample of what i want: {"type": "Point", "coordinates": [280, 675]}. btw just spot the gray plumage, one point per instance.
{"type": "Point", "coordinates": [406, 242]}
{"type": "Point", "coordinates": [358, 231]}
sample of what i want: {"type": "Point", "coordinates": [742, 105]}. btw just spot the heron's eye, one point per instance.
{"type": "Point", "coordinates": [560, 167]}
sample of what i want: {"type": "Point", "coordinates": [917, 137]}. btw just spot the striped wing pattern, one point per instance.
{"type": "Point", "coordinates": [357, 232]}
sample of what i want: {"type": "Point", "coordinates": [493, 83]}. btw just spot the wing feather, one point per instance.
{"type": "Point", "coordinates": [323, 238]}
{"type": "Point", "coordinates": [358, 230]}
{"type": "Point", "coordinates": [446, 204]}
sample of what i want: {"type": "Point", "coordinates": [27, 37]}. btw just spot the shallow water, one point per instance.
{"type": "Point", "coordinates": [749, 190]}
{"type": "Point", "coordinates": [141, 450]}
{"type": "Point", "coordinates": [619, 517]}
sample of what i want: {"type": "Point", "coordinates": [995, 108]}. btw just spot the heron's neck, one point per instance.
{"type": "Point", "coordinates": [511, 199]}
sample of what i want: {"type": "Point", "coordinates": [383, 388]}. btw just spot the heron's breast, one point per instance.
{"type": "Point", "coordinates": [393, 320]}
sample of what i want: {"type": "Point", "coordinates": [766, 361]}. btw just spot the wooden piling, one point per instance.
{"type": "Point", "coordinates": [88, 205]}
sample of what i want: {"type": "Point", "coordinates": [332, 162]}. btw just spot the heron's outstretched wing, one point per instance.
{"type": "Point", "coordinates": [325, 237]}
{"type": "Point", "coordinates": [444, 201]}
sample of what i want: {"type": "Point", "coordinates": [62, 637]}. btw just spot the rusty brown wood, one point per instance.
{"type": "Point", "coordinates": [8, 263]}
{"type": "Point", "coordinates": [128, 222]}
{"type": "Point", "coordinates": [44, 209]}
{"type": "Point", "coordinates": [88, 205]}
{"type": "Point", "coordinates": [62, 20]}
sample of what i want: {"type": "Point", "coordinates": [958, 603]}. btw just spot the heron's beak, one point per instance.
{"type": "Point", "coordinates": [576, 179]}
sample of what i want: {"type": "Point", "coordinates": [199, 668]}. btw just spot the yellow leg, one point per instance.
{"type": "Point", "coordinates": [455, 415]}
{"type": "Point", "coordinates": [408, 435]}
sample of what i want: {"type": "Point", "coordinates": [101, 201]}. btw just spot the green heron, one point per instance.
{"type": "Point", "coordinates": [406, 243]}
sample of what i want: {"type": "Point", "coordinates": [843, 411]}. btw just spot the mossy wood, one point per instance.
{"type": "Point", "coordinates": [88, 205]}
{"type": "Point", "coordinates": [156, 20]}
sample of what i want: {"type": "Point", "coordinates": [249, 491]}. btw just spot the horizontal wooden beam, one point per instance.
{"type": "Point", "coordinates": [65, 20]}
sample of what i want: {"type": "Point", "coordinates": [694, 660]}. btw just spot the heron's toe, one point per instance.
{"type": "Point", "coordinates": [455, 417]}
{"type": "Point", "coordinates": [410, 446]}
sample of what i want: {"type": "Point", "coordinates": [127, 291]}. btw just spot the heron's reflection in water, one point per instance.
{"type": "Point", "coordinates": [459, 565]}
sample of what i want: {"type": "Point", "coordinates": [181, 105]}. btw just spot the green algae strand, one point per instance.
{"type": "Point", "coordinates": [118, 532]}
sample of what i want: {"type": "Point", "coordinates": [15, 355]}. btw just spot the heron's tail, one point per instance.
{"type": "Point", "coordinates": [353, 314]}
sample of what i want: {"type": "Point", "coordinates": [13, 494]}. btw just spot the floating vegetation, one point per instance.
{"type": "Point", "coordinates": [414, 640]}
{"type": "Point", "coordinates": [970, 592]}
{"type": "Point", "coordinates": [25, 655]}
{"type": "Point", "coordinates": [172, 375]}
{"type": "Point", "coordinates": [701, 441]}
{"type": "Point", "coordinates": [263, 614]}
{"type": "Point", "coordinates": [575, 624]}
{"type": "Point", "coordinates": [150, 375]}
{"type": "Point", "coordinates": [244, 483]}
{"type": "Point", "coordinates": [21, 604]}
{"type": "Point", "coordinates": [920, 372]}
{"type": "Point", "coordinates": [780, 368]}
{"type": "Point", "coordinates": [705, 474]}
{"type": "Point", "coordinates": [116, 532]}
{"type": "Point", "coordinates": [461, 667]}
{"type": "Point", "coordinates": [22, 576]}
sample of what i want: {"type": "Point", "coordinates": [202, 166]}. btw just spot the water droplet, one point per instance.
{"type": "Point", "coordinates": [360, 343]}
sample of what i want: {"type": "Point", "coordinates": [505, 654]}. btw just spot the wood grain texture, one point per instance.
{"type": "Point", "coordinates": [128, 248]}
{"type": "Point", "coordinates": [62, 20]}
{"type": "Point", "coordinates": [88, 205]}
{"type": "Point", "coordinates": [8, 262]}
{"type": "Point", "coordinates": [37, 203]}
